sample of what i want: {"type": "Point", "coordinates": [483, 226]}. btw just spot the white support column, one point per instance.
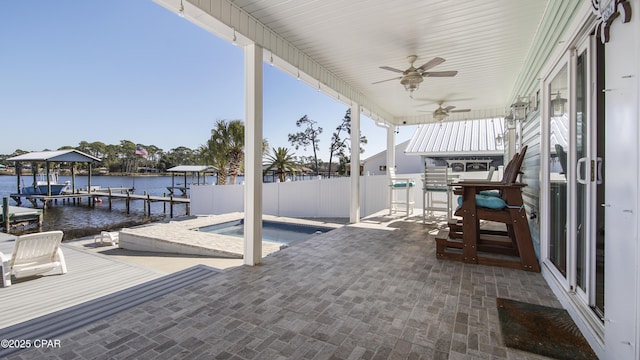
{"type": "Point", "coordinates": [391, 148]}
{"type": "Point", "coordinates": [253, 155]}
{"type": "Point", "coordinates": [354, 204]}
{"type": "Point", "coordinates": [511, 139]}
{"type": "Point", "coordinates": [391, 163]}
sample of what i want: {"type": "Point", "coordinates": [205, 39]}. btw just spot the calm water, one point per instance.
{"type": "Point", "coordinates": [80, 220]}
{"type": "Point", "coordinates": [271, 231]}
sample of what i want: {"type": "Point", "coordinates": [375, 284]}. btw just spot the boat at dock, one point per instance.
{"type": "Point", "coordinates": [43, 184]}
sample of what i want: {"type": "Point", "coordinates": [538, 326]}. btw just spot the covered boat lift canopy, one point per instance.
{"type": "Point", "coordinates": [55, 156]}
{"type": "Point", "coordinates": [194, 170]}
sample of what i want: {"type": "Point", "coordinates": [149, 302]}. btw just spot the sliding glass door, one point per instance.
{"type": "Point", "coordinates": [576, 142]}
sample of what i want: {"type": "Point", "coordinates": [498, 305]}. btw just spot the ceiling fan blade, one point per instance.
{"type": "Point", "coordinates": [391, 69]}
{"type": "Point", "coordinates": [449, 98]}
{"type": "Point", "coordinates": [381, 81]}
{"type": "Point", "coordinates": [440, 73]}
{"type": "Point", "coordinates": [431, 63]}
{"type": "Point", "coordinates": [449, 108]}
{"type": "Point", "coordinates": [460, 110]}
{"type": "Point", "coordinates": [428, 101]}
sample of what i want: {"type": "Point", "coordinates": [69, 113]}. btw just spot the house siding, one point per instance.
{"type": "Point", "coordinates": [531, 136]}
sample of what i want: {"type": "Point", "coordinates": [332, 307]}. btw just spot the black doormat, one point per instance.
{"type": "Point", "coordinates": [541, 330]}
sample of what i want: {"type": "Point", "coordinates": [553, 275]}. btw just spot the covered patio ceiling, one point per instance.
{"type": "Point", "coordinates": [338, 46]}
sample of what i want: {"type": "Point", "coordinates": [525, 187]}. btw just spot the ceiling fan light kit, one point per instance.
{"type": "Point", "coordinates": [412, 77]}
{"type": "Point", "coordinates": [441, 113]}
{"type": "Point", "coordinates": [411, 82]}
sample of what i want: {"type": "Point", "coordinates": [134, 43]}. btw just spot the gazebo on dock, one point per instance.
{"type": "Point", "coordinates": [195, 171]}
{"type": "Point", "coordinates": [49, 158]}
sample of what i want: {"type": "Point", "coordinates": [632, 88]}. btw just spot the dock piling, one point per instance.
{"type": "Point", "coordinates": [5, 214]}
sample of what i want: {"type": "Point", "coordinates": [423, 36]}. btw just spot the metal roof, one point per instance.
{"type": "Point", "coordinates": [192, 168]}
{"type": "Point", "coordinates": [458, 138]}
{"type": "Point", "coordinates": [70, 155]}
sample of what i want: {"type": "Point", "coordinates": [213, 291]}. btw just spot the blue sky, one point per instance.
{"type": "Point", "coordinates": [131, 70]}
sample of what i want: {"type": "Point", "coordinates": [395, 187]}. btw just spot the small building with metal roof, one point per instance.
{"type": "Point", "coordinates": [377, 164]}
{"type": "Point", "coordinates": [468, 145]}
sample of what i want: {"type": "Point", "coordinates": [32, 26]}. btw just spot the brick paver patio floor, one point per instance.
{"type": "Point", "coordinates": [357, 292]}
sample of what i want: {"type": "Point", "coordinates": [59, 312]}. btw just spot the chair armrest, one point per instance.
{"type": "Point", "coordinates": [61, 260]}
{"type": "Point", "coordinates": [405, 182]}
{"type": "Point", "coordinates": [487, 185]}
{"type": "Point", "coordinates": [400, 179]}
{"type": "Point", "coordinates": [5, 273]}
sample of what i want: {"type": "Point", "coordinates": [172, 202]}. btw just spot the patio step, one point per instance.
{"type": "Point", "coordinates": [494, 247]}
{"type": "Point", "coordinates": [455, 228]}
{"type": "Point", "coordinates": [442, 242]}
{"type": "Point", "coordinates": [60, 322]}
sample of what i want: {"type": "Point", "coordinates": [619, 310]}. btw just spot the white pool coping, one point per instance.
{"type": "Point", "coordinates": [181, 237]}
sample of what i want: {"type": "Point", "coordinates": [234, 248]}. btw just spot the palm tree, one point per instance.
{"type": "Point", "coordinates": [282, 161]}
{"type": "Point", "coordinates": [217, 150]}
{"type": "Point", "coordinates": [235, 133]}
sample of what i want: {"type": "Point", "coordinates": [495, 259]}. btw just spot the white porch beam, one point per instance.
{"type": "Point", "coordinates": [354, 204]}
{"type": "Point", "coordinates": [253, 155]}
{"type": "Point", "coordinates": [225, 19]}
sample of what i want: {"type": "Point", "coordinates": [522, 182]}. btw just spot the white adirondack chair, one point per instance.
{"type": "Point", "coordinates": [111, 237]}
{"type": "Point", "coordinates": [33, 254]}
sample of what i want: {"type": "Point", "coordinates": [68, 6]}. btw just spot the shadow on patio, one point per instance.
{"type": "Point", "coordinates": [373, 290]}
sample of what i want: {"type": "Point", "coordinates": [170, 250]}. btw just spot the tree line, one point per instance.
{"type": "Point", "coordinates": [225, 151]}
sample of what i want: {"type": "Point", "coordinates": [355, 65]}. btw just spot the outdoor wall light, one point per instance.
{"type": "Point", "coordinates": [557, 104]}
{"type": "Point", "coordinates": [519, 109]}
{"type": "Point", "coordinates": [510, 120]}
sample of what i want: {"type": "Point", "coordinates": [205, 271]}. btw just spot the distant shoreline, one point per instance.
{"type": "Point", "coordinates": [92, 174]}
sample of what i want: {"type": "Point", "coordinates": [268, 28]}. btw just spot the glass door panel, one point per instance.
{"type": "Point", "coordinates": [558, 170]}
{"type": "Point", "coordinates": [583, 170]}
{"type": "Point", "coordinates": [598, 293]}
{"type": "Point", "coordinates": [589, 184]}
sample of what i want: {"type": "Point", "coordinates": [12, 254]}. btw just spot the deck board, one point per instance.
{"type": "Point", "coordinates": [89, 276]}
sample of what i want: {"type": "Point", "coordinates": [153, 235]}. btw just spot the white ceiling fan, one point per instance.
{"type": "Point", "coordinates": [442, 112]}
{"type": "Point", "coordinates": [412, 77]}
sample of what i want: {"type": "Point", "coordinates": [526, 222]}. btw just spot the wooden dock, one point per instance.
{"type": "Point", "coordinates": [96, 196]}
{"type": "Point", "coordinates": [14, 216]}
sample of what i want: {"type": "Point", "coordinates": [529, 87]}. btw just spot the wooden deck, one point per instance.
{"type": "Point", "coordinates": [91, 197]}
{"type": "Point", "coordinates": [89, 276]}
{"type": "Point", "coordinates": [18, 216]}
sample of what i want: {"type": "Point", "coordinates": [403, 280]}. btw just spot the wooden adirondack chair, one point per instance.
{"type": "Point", "coordinates": [499, 202]}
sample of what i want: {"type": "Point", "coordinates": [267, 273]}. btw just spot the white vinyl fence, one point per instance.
{"type": "Point", "coordinates": [313, 198]}
{"type": "Point", "coordinates": [307, 198]}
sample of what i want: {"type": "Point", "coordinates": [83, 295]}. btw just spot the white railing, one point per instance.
{"type": "Point", "coordinates": [308, 198]}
